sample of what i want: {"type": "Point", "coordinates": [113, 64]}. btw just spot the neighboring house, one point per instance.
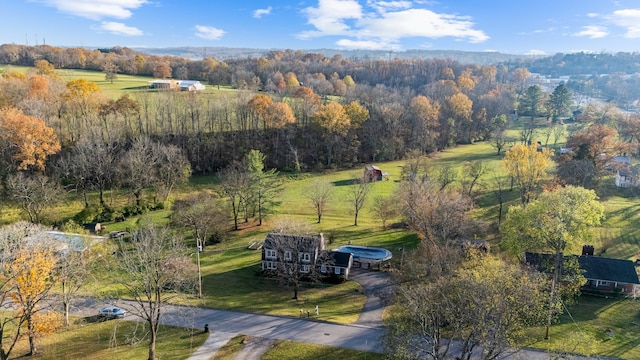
{"type": "Point", "coordinates": [165, 84]}
{"type": "Point", "coordinates": [374, 173]}
{"type": "Point", "coordinates": [617, 163]}
{"type": "Point", "coordinates": [183, 85]}
{"type": "Point", "coordinates": [604, 275]}
{"type": "Point", "coordinates": [338, 265]}
{"type": "Point", "coordinates": [303, 250]}
{"type": "Point", "coordinates": [94, 228]}
{"type": "Point", "coordinates": [627, 177]}
{"type": "Point", "coordinates": [191, 85]}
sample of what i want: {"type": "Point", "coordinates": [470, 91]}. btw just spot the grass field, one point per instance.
{"type": "Point", "coordinates": [115, 339]}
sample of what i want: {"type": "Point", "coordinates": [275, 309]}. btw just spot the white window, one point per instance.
{"type": "Point", "coordinates": [304, 268]}
{"type": "Point", "coordinates": [337, 270]}
{"type": "Point", "coordinates": [270, 254]}
{"type": "Point", "coordinates": [270, 265]}
{"type": "Point", "coordinates": [323, 268]}
{"type": "Point", "coordinates": [287, 255]}
{"type": "Point", "coordinates": [306, 257]}
{"type": "Point", "coordinates": [602, 283]}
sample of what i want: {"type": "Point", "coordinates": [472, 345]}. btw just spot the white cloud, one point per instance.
{"type": "Point", "coordinates": [120, 29]}
{"type": "Point", "coordinates": [329, 17]}
{"type": "Point", "coordinates": [628, 19]}
{"type": "Point", "coordinates": [385, 22]}
{"type": "Point", "coordinates": [384, 6]}
{"type": "Point", "coordinates": [593, 15]}
{"type": "Point", "coordinates": [593, 32]}
{"type": "Point", "coordinates": [420, 23]}
{"type": "Point", "coordinates": [96, 9]}
{"type": "Point", "coordinates": [261, 12]}
{"type": "Point", "coordinates": [209, 32]}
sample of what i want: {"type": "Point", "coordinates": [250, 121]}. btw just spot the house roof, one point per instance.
{"type": "Point", "coordinates": [372, 168]}
{"type": "Point", "coordinates": [595, 267]}
{"type": "Point", "coordinates": [273, 239]}
{"type": "Point", "coordinates": [600, 268]}
{"type": "Point", "coordinates": [341, 259]}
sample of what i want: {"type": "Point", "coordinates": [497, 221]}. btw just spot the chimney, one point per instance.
{"type": "Point", "coordinates": [587, 250]}
{"type": "Point", "coordinates": [321, 242]}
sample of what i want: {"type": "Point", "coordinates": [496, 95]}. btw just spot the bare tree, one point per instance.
{"type": "Point", "coordinates": [445, 176]}
{"type": "Point", "coordinates": [385, 208]}
{"type": "Point", "coordinates": [358, 193]}
{"type": "Point", "coordinates": [72, 274]}
{"type": "Point", "coordinates": [153, 270]}
{"type": "Point", "coordinates": [204, 215]}
{"type": "Point", "coordinates": [173, 168]}
{"type": "Point", "coordinates": [235, 184]}
{"type": "Point", "coordinates": [292, 259]}
{"type": "Point", "coordinates": [438, 216]}
{"type": "Point", "coordinates": [319, 193]}
{"type": "Point", "coordinates": [34, 193]}
{"type": "Point", "coordinates": [472, 172]}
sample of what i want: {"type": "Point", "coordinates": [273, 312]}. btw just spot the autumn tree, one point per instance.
{"type": "Point", "coordinates": [153, 271]}
{"type": "Point", "coordinates": [334, 123]}
{"type": "Point", "coordinates": [465, 307]}
{"type": "Point", "coordinates": [259, 107]}
{"type": "Point", "coordinates": [31, 274]}
{"type": "Point", "coordinates": [425, 126]}
{"type": "Point", "coordinates": [593, 149]}
{"type": "Point", "coordinates": [319, 193]}
{"type": "Point", "coordinates": [162, 71]}
{"type": "Point", "coordinates": [559, 222]}
{"type": "Point", "coordinates": [27, 140]}
{"type": "Point", "coordinates": [527, 166]}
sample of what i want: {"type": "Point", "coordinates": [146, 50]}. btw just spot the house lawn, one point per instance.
{"type": "Point", "coordinates": [113, 339]}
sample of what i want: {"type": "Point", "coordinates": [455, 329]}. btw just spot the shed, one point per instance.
{"type": "Point", "coordinates": [374, 173]}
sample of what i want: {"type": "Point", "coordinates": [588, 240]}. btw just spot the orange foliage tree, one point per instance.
{"type": "Point", "coordinates": [28, 139]}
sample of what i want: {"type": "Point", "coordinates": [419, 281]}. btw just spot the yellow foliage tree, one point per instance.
{"type": "Point", "coordinates": [32, 274]}
{"type": "Point", "coordinates": [31, 141]}
{"type": "Point", "coordinates": [527, 166]}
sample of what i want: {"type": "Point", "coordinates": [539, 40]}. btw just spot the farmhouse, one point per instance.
{"type": "Point", "coordinates": [627, 177]}
{"type": "Point", "coordinates": [304, 253]}
{"type": "Point", "coordinates": [283, 248]}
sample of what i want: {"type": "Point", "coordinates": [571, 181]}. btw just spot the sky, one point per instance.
{"type": "Point", "coordinates": [542, 27]}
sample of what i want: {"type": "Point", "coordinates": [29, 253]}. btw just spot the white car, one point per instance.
{"type": "Point", "coordinates": [112, 312]}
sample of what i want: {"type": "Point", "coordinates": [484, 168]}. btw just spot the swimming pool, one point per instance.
{"type": "Point", "coordinates": [367, 254]}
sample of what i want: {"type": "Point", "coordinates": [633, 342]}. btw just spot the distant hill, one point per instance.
{"type": "Point", "coordinates": [225, 53]}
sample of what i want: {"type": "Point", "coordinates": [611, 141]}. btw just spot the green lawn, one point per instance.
{"type": "Point", "coordinates": [596, 326]}
{"type": "Point", "coordinates": [285, 350]}
{"type": "Point", "coordinates": [114, 339]}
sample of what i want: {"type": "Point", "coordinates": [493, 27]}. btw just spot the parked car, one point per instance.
{"type": "Point", "coordinates": [112, 312]}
